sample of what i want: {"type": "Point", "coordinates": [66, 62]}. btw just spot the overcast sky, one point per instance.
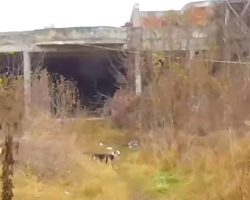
{"type": "Point", "coordinates": [16, 15]}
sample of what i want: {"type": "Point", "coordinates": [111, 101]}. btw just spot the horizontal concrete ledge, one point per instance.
{"type": "Point", "coordinates": [77, 43]}
{"type": "Point", "coordinates": [37, 40]}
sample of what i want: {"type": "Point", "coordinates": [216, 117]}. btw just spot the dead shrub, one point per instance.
{"type": "Point", "coordinates": [122, 109]}
{"type": "Point", "coordinates": [40, 99]}
{"type": "Point", "coordinates": [66, 97]}
{"type": "Point", "coordinates": [56, 94]}
{"type": "Point", "coordinates": [44, 157]}
{"type": "Point", "coordinates": [191, 100]}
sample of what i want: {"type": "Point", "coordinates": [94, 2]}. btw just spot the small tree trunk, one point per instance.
{"type": "Point", "coordinates": [7, 167]}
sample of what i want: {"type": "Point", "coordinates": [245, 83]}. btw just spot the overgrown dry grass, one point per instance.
{"type": "Point", "coordinates": [211, 167]}
{"type": "Point", "coordinates": [193, 130]}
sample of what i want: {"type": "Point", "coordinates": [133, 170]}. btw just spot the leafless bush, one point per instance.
{"type": "Point", "coordinates": [11, 107]}
{"type": "Point", "coordinates": [44, 157]}
{"type": "Point", "coordinates": [40, 99]}
{"type": "Point", "coordinates": [122, 108]}
{"type": "Point", "coordinates": [65, 96]}
{"type": "Point", "coordinates": [59, 93]}
{"type": "Point", "coordinates": [191, 100]}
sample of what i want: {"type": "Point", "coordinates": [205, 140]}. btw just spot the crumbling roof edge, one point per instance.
{"type": "Point", "coordinates": [60, 28]}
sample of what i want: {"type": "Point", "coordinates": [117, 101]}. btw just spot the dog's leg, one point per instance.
{"type": "Point", "coordinates": [107, 159]}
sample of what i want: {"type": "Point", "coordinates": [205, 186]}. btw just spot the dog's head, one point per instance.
{"type": "Point", "coordinates": [116, 153]}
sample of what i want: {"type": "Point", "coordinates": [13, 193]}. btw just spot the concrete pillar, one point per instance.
{"type": "Point", "coordinates": [27, 80]}
{"type": "Point", "coordinates": [138, 81]}
{"type": "Point", "coordinates": [227, 49]}
{"type": "Point", "coordinates": [135, 44]}
{"type": "Point", "coordinates": [137, 36]}
{"type": "Point", "coordinates": [191, 56]}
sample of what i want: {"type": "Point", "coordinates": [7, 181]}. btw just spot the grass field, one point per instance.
{"type": "Point", "coordinates": [206, 168]}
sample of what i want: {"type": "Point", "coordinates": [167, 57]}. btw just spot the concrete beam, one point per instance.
{"type": "Point", "coordinates": [33, 40]}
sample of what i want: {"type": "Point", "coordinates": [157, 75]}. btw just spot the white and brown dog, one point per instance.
{"type": "Point", "coordinates": [106, 157]}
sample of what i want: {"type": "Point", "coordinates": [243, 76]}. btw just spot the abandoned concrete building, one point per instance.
{"type": "Point", "coordinates": [95, 56]}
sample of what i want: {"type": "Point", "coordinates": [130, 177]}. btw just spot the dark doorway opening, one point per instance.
{"type": "Point", "coordinates": [96, 75]}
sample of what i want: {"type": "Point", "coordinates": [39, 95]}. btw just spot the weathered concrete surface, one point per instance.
{"type": "Point", "coordinates": [82, 38]}
{"type": "Point", "coordinates": [172, 38]}
{"type": "Point", "coordinates": [37, 40]}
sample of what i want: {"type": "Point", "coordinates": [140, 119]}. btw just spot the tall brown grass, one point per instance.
{"type": "Point", "coordinates": [65, 95]}
{"type": "Point", "coordinates": [195, 121]}
{"type": "Point", "coordinates": [192, 100]}
{"type": "Point", "coordinates": [193, 128]}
